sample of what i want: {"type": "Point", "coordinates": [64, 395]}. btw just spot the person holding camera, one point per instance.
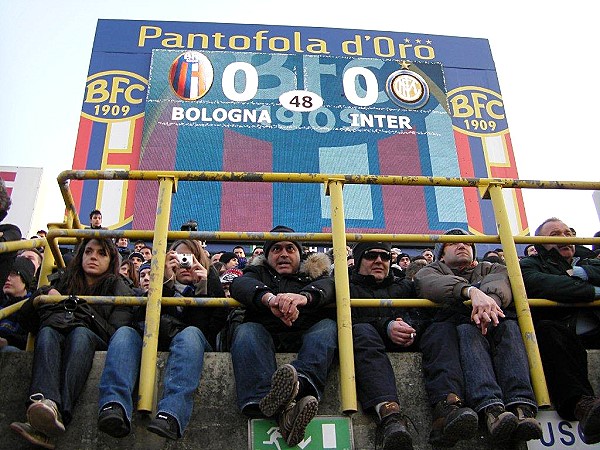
{"type": "Point", "coordinates": [185, 332]}
{"type": "Point", "coordinates": [67, 335]}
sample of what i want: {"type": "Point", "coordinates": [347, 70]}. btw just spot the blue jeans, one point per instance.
{"type": "Point", "coordinates": [495, 366]}
{"type": "Point", "coordinates": [181, 377]}
{"type": "Point", "coordinates": [61, 365]}
{"type": "Point", "coordinates": [10, 349]}
{"type": "Point", "coordinates": [375, 379]}
{"type": "Point", "coordinates": [441, 362]}
{"type": "Point", "coordinates": [253, 358]}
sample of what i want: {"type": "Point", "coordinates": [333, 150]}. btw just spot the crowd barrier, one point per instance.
{"type": "Point", "coordinates": [72, 230]}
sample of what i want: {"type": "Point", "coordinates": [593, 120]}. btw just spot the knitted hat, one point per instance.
{"type": "Point", "coordinates": [136, 255]}
{"type": "Point", "coordinates": [25, 269]}
{"type": "Point", "coordinates": [226, 257]}
{"type": "Point", "coordinates": [439, 247]}
{"type": "Point", "coordinates": [230, 275]}
{"type": "Point", "coordinates": [403, 255]}
{"type": "Point", "coordinates": [280, 229]}
{"type": "Point", "coordinates": [361, 247]}
{"type": "Point", "coordinates": [144, 266]}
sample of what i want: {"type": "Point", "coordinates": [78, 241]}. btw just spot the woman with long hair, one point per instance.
{"type": "Point", "coordinates": [187, 333]}
{"type": "Point", "coordinates": [130, 272]}
{"type": "Point", "coordinates": [68, 334]}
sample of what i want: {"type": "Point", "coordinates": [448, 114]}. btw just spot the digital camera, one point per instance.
{"type": "Point", "coordinates": [185, 259]}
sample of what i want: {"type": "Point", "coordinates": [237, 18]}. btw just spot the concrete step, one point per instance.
{"type": "Point", "coordinates": [216, 422]}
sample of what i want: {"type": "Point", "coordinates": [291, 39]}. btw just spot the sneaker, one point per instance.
{"type": "Point", "coordinates": [25, 430]}
{"type": "Point", "coordinates": [284, 388]}
{"type": "Point", "coordinates": [164, 425]}
{"type": "Point", "coordinates": [392, 432]}
{"type": "Point", "coordinates": [294, 419]}
{"type": "Point", "coordinates": [528, 428]}
{"type": "Point", "coordinates": [43, 415]}
{"type": "Point", "coordinates": [500, 423]}
{"type": "Point", "coordinates": [112, 420]}
{"type": "Point", "coordinates": [452, 422]}
{"type": "Point", "coordinates": [587, 411]}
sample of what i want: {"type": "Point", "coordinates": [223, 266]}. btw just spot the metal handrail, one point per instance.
{"type": "Point", "coordinates": [491, 188]}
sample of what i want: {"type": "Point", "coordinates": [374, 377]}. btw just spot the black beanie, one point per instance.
{"type": "Point", "coordinates": [280, 229]}
{"type": "Point", "coordinates": [25, 269]}
{"type": "Point", "coordinates": [361, 247]}
{"type": "Point", "coordinates": [226, 257]}
{"type": "Point", "coordinates": [439, 247]}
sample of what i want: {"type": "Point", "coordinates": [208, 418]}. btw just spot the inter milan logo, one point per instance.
{"type": "Point", "coordinates": [407, 89]}
{"type": "Point", "coordinates": [191, 75]}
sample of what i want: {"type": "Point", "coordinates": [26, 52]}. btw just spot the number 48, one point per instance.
{"type": "Point", "coordinates": [307, 101]}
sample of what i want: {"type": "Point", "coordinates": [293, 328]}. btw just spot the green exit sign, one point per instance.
{"type": "Point", "coordinates": [322, 433]}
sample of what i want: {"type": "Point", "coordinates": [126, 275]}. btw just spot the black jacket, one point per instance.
{"type": "Point", "coordinates": [365, 286]}
{"type": "Point", "coordinates": [173, 319]}
{"type": "Point", "coordinates": [105, 317]}
{"type": "Point", "coordinates": [8, 232]}
{"type": "Point", "coordinates": [313, 278]}
{"type": "Point", "coordinates": [10, 328]}
{"type": "Point", "coordinates": [545, 276]}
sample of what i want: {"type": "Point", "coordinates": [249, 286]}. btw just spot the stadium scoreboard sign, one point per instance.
{"type": "Point", "coordinates": [258, 98]}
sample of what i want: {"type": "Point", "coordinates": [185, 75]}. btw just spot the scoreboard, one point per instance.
{"type": "Point", "coordinates": [262, 98]}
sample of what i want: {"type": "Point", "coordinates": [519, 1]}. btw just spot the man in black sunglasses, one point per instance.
{"type": "Point", "coordinates": [377, 330]}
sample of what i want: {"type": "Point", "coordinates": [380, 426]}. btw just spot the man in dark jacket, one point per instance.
{"type": "Point", "coordinates": [284, 313]}
{"type": "Point", "coordinates": [563, 334]}
{"type": "Point", "coordinates": [13, 337]}
{"type": "Point", "coordinates": [378, 330]}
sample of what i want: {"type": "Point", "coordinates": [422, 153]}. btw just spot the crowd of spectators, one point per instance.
{"type": "Point", "coordinates": [284, 289]}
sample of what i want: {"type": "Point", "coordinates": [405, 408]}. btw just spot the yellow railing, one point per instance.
{"type": "Point", "coordinates": [490, 188]}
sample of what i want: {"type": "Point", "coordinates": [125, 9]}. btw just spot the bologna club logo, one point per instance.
{"type": "Point", "coordinates": [191, 75]}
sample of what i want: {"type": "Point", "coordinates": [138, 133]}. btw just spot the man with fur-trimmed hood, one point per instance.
{"type": "Point", "coordinates": [284, 299]}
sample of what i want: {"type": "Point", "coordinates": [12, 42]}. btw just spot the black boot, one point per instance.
{"type": "Point", "coordinates": [392, 432]}
{"type": "Point", "coordinates": [587, 411]}
{"type": "Point", "coordinates": [452, 422]}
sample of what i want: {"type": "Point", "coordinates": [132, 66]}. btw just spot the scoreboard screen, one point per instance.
{"type": "Point", "coordinates": [259, 98]}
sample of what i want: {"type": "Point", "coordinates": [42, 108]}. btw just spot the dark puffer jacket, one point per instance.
{"type": "Point", "coordinates": [313, 278]}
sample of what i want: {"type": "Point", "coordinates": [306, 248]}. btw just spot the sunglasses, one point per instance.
{"type": "Point", "coordinates": [372, 255]}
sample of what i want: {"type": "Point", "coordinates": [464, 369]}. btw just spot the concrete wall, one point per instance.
{"type": "Point", "coordinates": [216, 422]}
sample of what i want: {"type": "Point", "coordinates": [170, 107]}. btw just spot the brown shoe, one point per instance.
{"type": "Point", "coordinates": [30, 434]}
{"type": "Point", "coordinates": [284, 388]}
{"type": "Point", "coordinates": [295, 418]}
{"type": "Point", "coordinates": [500, 423]}
{"type": "Point", "coordinates": [528, 428]}
{"type": "Point", "coordinates": [43, 415]}
{"type": "Point", "coordinates": [587, 411]}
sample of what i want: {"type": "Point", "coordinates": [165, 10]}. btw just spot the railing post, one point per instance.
{"type": "Point", "coordinates": [519, 295]}
{"type": "Point", "coordinates": [159, 247]}
{"type": "Point", "coordinates": [342, 290]}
